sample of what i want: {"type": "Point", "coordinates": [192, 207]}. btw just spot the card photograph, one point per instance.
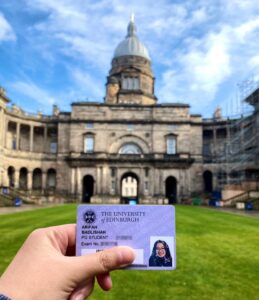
{"type": "Point", "coordinates": [161, 250]}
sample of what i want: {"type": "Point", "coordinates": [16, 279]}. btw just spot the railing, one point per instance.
{"type": "Point", "coordinates": [238, 198]}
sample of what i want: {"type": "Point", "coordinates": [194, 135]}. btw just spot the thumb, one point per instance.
{"type": "Point", "coordinates": [102, 262]}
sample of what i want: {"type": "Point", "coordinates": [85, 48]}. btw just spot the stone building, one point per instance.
{"type": "Point", "coordinates": [128, 148]}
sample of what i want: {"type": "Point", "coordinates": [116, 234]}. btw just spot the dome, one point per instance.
{"type": "Point", "coordinates": [131, 45]}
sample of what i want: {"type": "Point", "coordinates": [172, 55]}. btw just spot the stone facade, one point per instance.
{"type": "Point", "coordinates": [128, 148]}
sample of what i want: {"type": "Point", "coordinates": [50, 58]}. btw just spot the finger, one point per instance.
{"type": "Point", "coordinates": [62, 238]}
{"type": "Point", "coordinates": [102, 262]}
{"type": "Point", "coordinates": [83, 291]}
{"type": "Point", "coordinates": [105, 281]}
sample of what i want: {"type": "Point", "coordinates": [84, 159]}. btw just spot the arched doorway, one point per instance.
{"type": "Point", "coordinates": [51, 179]}
{"type": "Point", "coordinates": [37, 179]}
{"type": "Point", "coordinates": [129, 188]}
{"type": "Point", "coordinates": [208, 181]}
{"type": "Point", "coordinates": [88, 188]}
{"type": "Point", "coordinates": [11, 172]}
{"type": "Point", "coordinates": [23, 179]}
{"type": "Point", "coordinates": [171, 189]}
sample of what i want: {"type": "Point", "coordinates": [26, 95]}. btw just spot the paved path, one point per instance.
{"type": "Point", "coordinates": [24, 207]}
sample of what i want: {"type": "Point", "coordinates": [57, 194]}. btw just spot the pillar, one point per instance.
{"type": "Point", "coordinates": [16, 178]}
{"type": "Point", "coordinates": [31, 137]}
{"type": "Point", "coordinates": [45, 140]}
{"type": "Point", "coordinates": [98, 181]}
{"type": "Point", "coordinates": [73, 173]}
{"type": "Point", "coordinates": [44, 180]}
{"type": "Point", "coordinates": [79, 182]}
{"type": "Point", "coordinates": [18, 129]}
{"type": "Point", "coordinates": [29, 180]}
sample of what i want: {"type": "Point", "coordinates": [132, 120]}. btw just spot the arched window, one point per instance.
{"type": "Point", "coordinates": [88, 143]}
{"type": "Point", "coordinates": [130, 148]}
{"type": "Point", "coordinates": [171, 144]}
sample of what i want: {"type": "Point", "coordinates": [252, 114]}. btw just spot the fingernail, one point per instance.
{"type": "Point", "coordinates": [127, 255]}
{"type": "Point", "coordinates": [79, 296]}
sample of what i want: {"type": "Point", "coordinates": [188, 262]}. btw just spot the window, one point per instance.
{"type": "Point", "coordinates": [171, 145]}
{"type": "Point", "coordinates": [113, 172]}
{"type": "Point", "coordinates": [53, 147]}
{"type": "Point", "coordinates": [89, 125]}
{"type": "Point", "coordinates": [88, 144]}
{"type": "Point", "coordinates": [130, 148]}
{"type": "Point", "coordinates": [14, 143]}
{"type": "Point", "coordinates": [146, 186]}
{"type": "Point", "coordinates": [113, 185]}
{"type": "Point", "coordinates": [130, 127]}
{"type": "Point", "coordinates": [130, 83]}
{"type": "Point", "coordinates": [146, 172]}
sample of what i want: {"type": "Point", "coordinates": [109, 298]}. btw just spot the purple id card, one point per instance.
{"type": "Point", "coordinates": [148, 229]}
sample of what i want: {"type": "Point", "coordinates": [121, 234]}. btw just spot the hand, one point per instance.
{"type": "Point", "coordinates": [43, 270]}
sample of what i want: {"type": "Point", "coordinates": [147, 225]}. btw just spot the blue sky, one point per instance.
{"type": "Point", "coordinates": [60, 51]}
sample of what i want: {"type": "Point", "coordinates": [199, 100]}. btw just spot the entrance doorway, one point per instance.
{"type": "Point", "coordinates": [88, 188]}
{"type": "Point", "coordinates": [129, 188]}
{"type": "Point", "coordinates": [171, 189]}
{"type": "Point", "coordinates": [23, 179]}
{"type": "Point", "coordinates": [11, 172]}
{"type": "Point", "coordinates": [207, 181]}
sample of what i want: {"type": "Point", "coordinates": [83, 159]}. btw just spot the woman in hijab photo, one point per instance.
{"type": "Point", "coordinates": [161, 256]}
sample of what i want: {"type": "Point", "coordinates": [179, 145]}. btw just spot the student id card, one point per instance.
{"type": "Point", "coordinates": [148, 229]}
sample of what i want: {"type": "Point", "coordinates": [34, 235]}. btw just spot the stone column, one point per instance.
{"type": "Point", "coordinates": [79, 182]}
{"type": "Point", "coordinates": [5, 178]}
{"type": "Point", "coordinates": [105, 189]}
{"type": "Point", "coordinates": [141, 183]}
{"type": "Point", "coordinates": [156, 181]}
{"type": "Point", "coordinates": [72, 180]}
{"type": "Point", "coordinates": [98, 181]}
{"type": "Point", "coordinates": [18, 129]}
{"type": "Point", "coordinates": [161, 183]}
{"type": "Point", "coordinates": [45, 140]}
{"type": "Point", "coordinates": [31, 137]}
{"type": "Point", "coordinates": [16, 178]}
{"type": "Point", "coordinates": [29, 180]}
{"type": "Point", "coordinates": [44, 180]}
{"type": "Point", "coordinates": [101, 180]}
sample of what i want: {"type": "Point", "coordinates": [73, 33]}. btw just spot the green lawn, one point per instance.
{"type": "Point", "coordinates": [217, 255]}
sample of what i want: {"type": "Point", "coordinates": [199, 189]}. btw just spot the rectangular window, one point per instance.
{"type": "Point", "coordinates": [130, 127]}
{"type": "Point", "coordinates": [14, 144]}
{"type": "Point", "coordinates": [135, 83]}
{"type": "Point", "coordinates": [130, 83]}
{"type": "Point", "coordinates": [89, 144]}
{"type": "Point", "coordinates": [89, 125]}
{"type": "Point", "coordinates": [146, 172]}
{"type": "Point", "coordinates": [113, 172]}
{"type": "Point", "coordinates": [146, 185]}
{"type": "Point", "coordinates": [113, 185]}
{"type": "Point", "coordinates": [171, 145]}
{"type": "Point", "coordinates": [53, 147]}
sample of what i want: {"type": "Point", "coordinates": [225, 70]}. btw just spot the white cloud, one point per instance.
{"type": "Point", "coordinates": [195, 46]}
{"type": "Point", "coordinates": [32, 91]}
{"type": "Point", "coordinates": [89, 86]}
{"type": "Point", "coordinates": [6, 31]}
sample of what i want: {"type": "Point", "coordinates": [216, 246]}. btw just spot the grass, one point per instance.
{"type": "Point", "coordinates": [217, 255]}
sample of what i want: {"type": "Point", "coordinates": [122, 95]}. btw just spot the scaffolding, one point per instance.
{"type": "Point", "coordinates": [240, 160]}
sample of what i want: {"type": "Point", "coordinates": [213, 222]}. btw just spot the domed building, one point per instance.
{"type": "Point", "coordinates": [128, 149]}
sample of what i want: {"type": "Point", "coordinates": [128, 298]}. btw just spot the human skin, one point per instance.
{"type": "Point", "coordinates": [43, 268]}
{"type": "Point", "coordinates": [160, 249]}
